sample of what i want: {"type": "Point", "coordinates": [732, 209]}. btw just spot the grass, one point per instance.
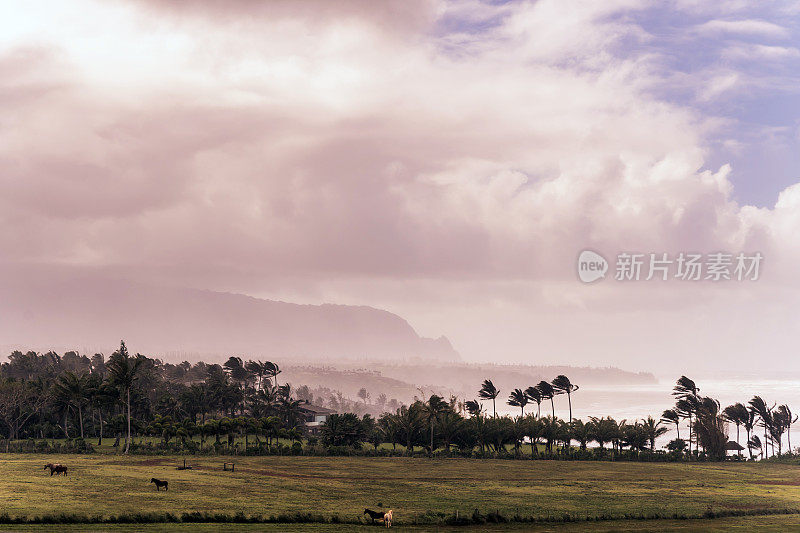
{"type": "Point", "coordinates": [417, 489]}
{"type": "Point", "coordinates": [777, 524]}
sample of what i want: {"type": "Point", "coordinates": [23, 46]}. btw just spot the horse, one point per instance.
{"type": "Point", "coordinates": [387, 518]}
{"type": "Point", "coordinates": [160, 483]}
{"type": "Point", "coordinates": [374, 515]}
{"type": "Point", "coordinates": [56, 468]}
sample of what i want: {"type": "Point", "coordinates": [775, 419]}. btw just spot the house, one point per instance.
{"type": "Point", "coordinates": [314, 416]}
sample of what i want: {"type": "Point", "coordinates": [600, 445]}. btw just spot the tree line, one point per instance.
{"type": "Point", "coordinates": [69, 396]}
{"type": "Point", "coordinates": [439, 424]}
{"type": "Point", "coordinates": [51, 396]}
{"type": "Point", "coordinates": [707, 422]}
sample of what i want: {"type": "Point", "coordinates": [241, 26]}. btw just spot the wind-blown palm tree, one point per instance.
{"type": "Point", "coordinates": [489, 392]}
{"type": "Point", "coordinates": [473, 407]}
{"type": "Point", "coordinates": [258, 369]}
{"type": "Point", "coordinates": [686, 392]}
{"type": "Point", "coordinates": [671, 416]}
{"type": "Point", "coordinates": [789, 419]}
{"type": "Point", "coordinates": [754, 443]}
{"type": "Point", "coordinates": [562, 384]}
{"type": "Point", "coordinates": [547, 392]}
{"type": "Point", "coordinates": [736, 414]}
{"type": "Point", "coordinates": [272, 370]}
{"type": "Point", "coordinates": [759, 407]}
{"type": "Point", "coordinates": [123, 370]}
{"type": "Point", "coordinates": [748, 424]}
{"type": "Point", "coordinates": [518, 398]}
{"type": "Point", "coordinates": [534, 395]}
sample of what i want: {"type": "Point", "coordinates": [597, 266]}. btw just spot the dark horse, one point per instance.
{"type": "Point", "coordinates": [159, 483]}
{"type": "Point", "coordinates": [56, 468]}
{"type": "Point", "coordinates": [374, 515]}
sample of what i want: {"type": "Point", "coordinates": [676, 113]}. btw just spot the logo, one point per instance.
{"type": "Point", "coordinates": [591, 266]}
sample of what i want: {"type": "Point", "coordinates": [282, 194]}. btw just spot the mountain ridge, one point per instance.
{"type": "Point", "coordinates": [59, 313]}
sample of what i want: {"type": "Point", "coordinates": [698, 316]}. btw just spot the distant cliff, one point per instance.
{"type": "Point", "coordinates": [95, 315]}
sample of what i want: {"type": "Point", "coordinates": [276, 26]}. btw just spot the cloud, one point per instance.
{"type": "Point", "coordinates": [745, 27]}
{"type": "Point", "coordinates": [295, 150]}
{"type": "Point", "coordinates": [761, 52]}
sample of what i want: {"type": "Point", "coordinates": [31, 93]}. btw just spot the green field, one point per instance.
{"type": "Point", "coordinates": [416, 489]}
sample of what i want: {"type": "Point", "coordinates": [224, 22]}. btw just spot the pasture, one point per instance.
{"type": "Point", "coordinates": [418, 490]}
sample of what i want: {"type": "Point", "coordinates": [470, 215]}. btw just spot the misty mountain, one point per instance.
{"type": "Point", "coordinates": [93, 315]}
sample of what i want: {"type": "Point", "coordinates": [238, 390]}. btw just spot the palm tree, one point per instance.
{"type": "Point", "coordinates": [686, 392]}
{"type": "Point", "coordinates": [473, 407]}
{"type": "Point", "coordinates": [409, 421]}
{"type": "Point", "coordinates": [72, 389]}
{"type": "Point", "coordinates": [534, 431]}
{"type": "Point", "coordinates": [517, 398]}
{"type": "Point", "coordinates": [272, 370]}
{"type": "Point", "coordinates": [534, 395]}
{"type": "Point", "coordinates": [652, 431]}
{"type": "Point", "coordinates": [789, 419]}
{"type": "Point", "coordinates": [671, 416]}
{"type": "Point", "coordinates": [561, 384]}
{"type": "Point", "coordinates": [123, 370]}
{"type": "Point", "coordinates": [602, 430]}
{"type": "Point", "coordinates": [258, 369]}
{"type": "Point", "coordinates": [580, 432]}
{"type": "Point", "coordinates": [759, 407]}
{"type": "Point", "coordinates": [551, 430]}
{"type": "Point", "coordinates": [546, 391]}
{"type": "Point", "coordinates": [737, 414]}
{"type": "Point", "coordinates": [748, 424]}
{"type": "Point", "coordinates": [755, 444]}
{"type": "Point", "coordinates": [450, 423]}
{"type": "Point", "coordinates": [431, 410]}
{"type": "Point", "coordinates": [101, 394]}
{"type": "Point", "coordinates": [489, 392]}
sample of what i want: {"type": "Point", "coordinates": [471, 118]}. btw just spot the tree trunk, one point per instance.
{"type": "Point", "coordinates": [569, 399]}
{"type": "Point", "coordinates": [100, 415]}
{"type": "Point", "coordinates": [737, 438]}
{"type": "Point", "coordinates": [749, 449]}
{"type": "Point", "coordinates": [128, 435]}
{"type": "Point", "coordinates": [765, 446]}
{"type": "Point", "coordinates": [80, 418]}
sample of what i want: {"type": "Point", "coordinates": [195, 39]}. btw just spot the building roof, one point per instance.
{"type": "Point", "coordinates": [733, 446]}
{"type": "Point", "coordinates": [316, 409]}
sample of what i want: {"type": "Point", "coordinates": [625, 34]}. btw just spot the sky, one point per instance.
{"type": "Point", "coordinates": [444, 160]}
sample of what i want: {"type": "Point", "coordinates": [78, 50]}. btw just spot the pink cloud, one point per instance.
{"type": "Point", "coordinates": [342, 163]}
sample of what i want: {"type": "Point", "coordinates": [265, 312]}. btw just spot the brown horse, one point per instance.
{"type": "Point", "coordinates": [56, 468]}
{"type": "Point", "coordinates": [160, 483]}
{"type": "Point", "coordinates": [374, 515]}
